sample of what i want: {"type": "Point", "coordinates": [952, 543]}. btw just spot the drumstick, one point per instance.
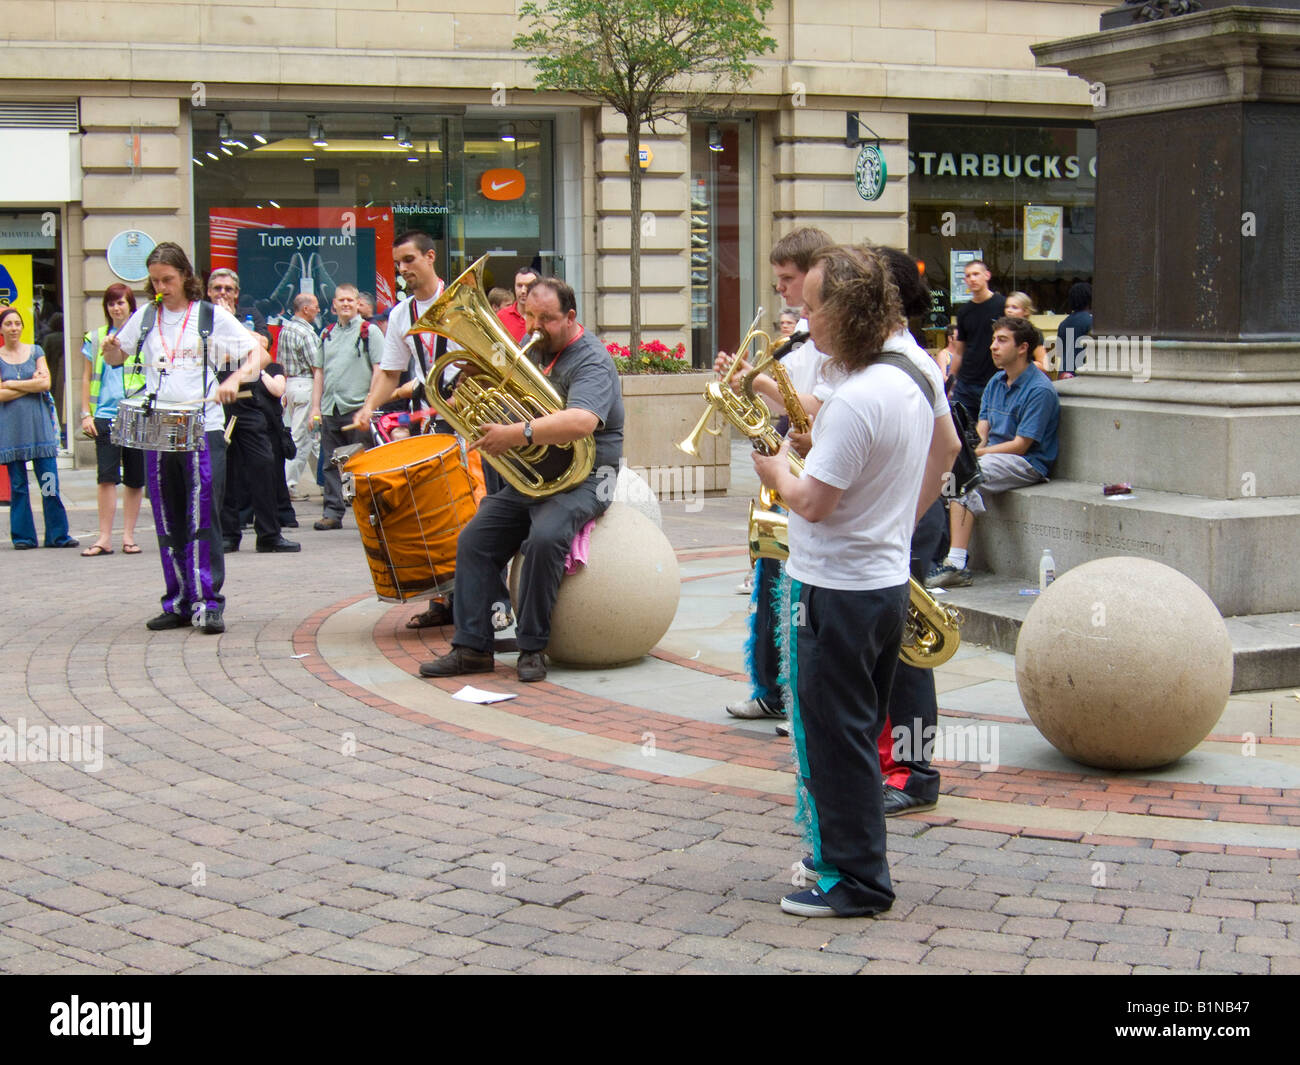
{"type": "Point", "coordinates": [238, 395]}
{"type": "Point", "coordinates": [230, 428]}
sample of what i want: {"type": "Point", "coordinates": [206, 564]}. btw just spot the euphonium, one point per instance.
{"type": "Point", "coordinates": [498, 383]}
{"type": "Point", "coordinates": [930, 633]}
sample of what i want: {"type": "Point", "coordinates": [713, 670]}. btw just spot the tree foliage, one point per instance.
{"type": "Point", "coordinates": [646, 59]}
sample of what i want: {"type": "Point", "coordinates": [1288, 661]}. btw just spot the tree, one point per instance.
{"type": "Point", "coordinates": [645, 59]}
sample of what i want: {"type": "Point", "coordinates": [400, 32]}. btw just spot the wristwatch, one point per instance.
{"type": "Point", "coordinates": [528, 432]}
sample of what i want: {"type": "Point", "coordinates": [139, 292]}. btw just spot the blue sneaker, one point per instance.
{"type": "Point", "coordinates": [810, 903]}
{"type": "Point", "coordinates": [949, 576]}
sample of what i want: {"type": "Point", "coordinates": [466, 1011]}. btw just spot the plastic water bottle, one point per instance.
{"type": "Point", "coordinates": [248, 322]}
{"type": "Point", "coordinates": [1046, 570]}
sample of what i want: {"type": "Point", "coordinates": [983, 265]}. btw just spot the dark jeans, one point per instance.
{"type": "Point", "coordinates": [334, 434]}
{"type": "Point", "coordinates": [250, 457]}
{"type": "Point", "coordinates": [22, 526]}
{"type": "Point", "coordinates": [543, 530]}
{"type": "Point", "coordinates": [847, 651]}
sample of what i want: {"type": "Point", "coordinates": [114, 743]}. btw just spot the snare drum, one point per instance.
{"type": "Point", "coordinates": [166, 427]}
{"type": "Point", "coordinates": [412, 499]}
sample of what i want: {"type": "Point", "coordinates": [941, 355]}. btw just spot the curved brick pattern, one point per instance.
{"type": "Point", "coordinates": [258, 812]}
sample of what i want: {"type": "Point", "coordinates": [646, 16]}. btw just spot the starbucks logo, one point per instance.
{"type": "Point", "coordinates": [870, 173]}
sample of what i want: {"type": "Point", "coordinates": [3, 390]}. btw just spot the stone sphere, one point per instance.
{"type": "Point", "coordinates": [634, 490]}
{"type": "Point", "coordinates": [619, 605]}
{"type": "Point", "coordinates": [1124, 663]}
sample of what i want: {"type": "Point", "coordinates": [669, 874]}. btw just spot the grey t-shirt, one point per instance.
{"type": "Point", "coordinates": [585, 377]}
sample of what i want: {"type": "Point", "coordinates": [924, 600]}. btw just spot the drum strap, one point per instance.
{"type": "Point", "coordinates": [150, 318]}
{"type": "Point", "coordinates": [439, 350]}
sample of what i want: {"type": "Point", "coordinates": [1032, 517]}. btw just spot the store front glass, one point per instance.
{"type": "Point", "coordinates": [298, 202]}
{"type": "Point", "coordinates": [721, 235]}
{"type": "Point", "coordinates": [1019, 196]}
{"type": "Point", "coordinates": [31, 279]}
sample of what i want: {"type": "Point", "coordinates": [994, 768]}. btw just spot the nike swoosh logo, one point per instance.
{"type": "Point", "coordinates": [497, 185]}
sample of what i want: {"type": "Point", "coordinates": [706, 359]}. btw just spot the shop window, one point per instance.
{"type": "Point", "coordinates": [299, 202]}
{"type": "Point", "coordinates": [1020, 196]}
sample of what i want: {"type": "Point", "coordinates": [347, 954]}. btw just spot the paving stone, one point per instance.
{"type": "Point", "coordinates": [984, 961]}
{"type": "Point", "coordinates": [333, 919]}
{"type": "Point", "coordinates": [1134, 954]}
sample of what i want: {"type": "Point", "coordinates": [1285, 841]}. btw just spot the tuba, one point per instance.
{"type": "Point", "coordinates": [498, 383]}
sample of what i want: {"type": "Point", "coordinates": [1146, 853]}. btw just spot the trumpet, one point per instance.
{"type": "Point", "coordinates": [747, 413]}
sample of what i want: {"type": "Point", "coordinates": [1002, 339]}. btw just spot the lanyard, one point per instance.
{"type": "Point", "coordinates": [551, 365]}
{"type": "Point", "coordinates": [162, 336]}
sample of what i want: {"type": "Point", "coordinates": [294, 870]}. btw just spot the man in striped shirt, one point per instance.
{"type": "Point", "coordinates": [296, 349]}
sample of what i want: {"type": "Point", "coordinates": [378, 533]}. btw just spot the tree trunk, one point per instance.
{"type": "Point", "coordinates": [634, 176]}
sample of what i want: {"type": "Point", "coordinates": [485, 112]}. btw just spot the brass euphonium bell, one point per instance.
{"type": "Point", "coordinates": [931, 634]}
{"type": "Point", "coordinates": [498, 384]}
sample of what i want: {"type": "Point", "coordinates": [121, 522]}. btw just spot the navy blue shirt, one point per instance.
{"type": "Point", "coordinates": [1029, 408]}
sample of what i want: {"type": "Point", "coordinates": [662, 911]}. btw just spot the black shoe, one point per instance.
{"type": "Point", "coordinates": [167, 620]}
{"type": "Point", "coordinates": [292, 523]}
{"type": "Point", "coordinates": [783, 729]}
{"type": "Point", "coordinates": [531, 666]}
{"type": "Point", "coordinates": [213, 623]}
{"type": "Point", "coordinates": [229, 547]}
{"type": "Point", "coordinates": [461, 660]}
{"type": "Point", "coordinates": [327, 523]}
{"type": "Point", "coordinates": [897, 802]}
{"type": "Point", "coordinates": [278, 545]}
{"type": "Point", "coordinates": [71, 541]}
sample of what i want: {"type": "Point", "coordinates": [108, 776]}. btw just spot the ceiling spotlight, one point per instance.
{"type": "Point", "coordinates": [197, 160]}
{"type": "Point", "coordinates": [213, 156]}
{"type": "Point", "coordinates": [316, 132]}
{"type": "Point", "coordinates": [259, 138]}
{"type": "Point", "coordinates": [508, 132]}
{"type": "Point", "coordinates": [273, 203]}
{"type": "Point", "coordinates": [223, 130]}
{"type": "Point", "coordinates": [715, 138]}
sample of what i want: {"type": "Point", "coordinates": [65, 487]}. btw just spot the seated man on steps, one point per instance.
{"type": "Point", "coordinates": [1019, 417]}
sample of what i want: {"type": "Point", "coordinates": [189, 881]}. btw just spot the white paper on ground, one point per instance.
{"type": "Point", "coordinates": [470, 694]}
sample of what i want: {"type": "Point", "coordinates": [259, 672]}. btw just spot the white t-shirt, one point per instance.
{"type": "Point", "coordinates": [901, 343]}
{"type": "Point", "coordinates": [398, 347]}
{"type": "Point", "coordinates": [804, 365]}
{"type": "Point", "coordinates": [870, 439]}
{"type": "Point", "coordinates": [173, 355]}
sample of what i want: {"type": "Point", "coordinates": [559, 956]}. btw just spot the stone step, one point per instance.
{"type": "Point", "coordinates": [1265, 647]}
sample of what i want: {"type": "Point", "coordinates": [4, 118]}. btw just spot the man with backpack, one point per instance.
{"type": "Point", "coordinates": [342, 368]}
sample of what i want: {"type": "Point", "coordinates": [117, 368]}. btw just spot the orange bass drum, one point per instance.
{"type": "Point", "coordinates": [412, 499]}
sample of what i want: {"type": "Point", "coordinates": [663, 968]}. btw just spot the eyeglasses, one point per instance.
{"type": "Point", "coordinates": [222, 288]}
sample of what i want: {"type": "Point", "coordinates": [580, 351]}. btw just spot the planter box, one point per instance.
{"type": "Point", "coordinates": [660, 410]}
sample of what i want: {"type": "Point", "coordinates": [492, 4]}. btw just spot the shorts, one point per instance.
{"type": "Point", "coordinates": [115, 464]}
{"type": "Point", "coordinates": [1002, 473]}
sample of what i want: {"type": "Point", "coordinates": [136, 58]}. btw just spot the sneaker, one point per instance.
{"type": "Point", "coordinates": [698, 241]}
{"type": "Point", "coordinates": [699, 259]}
{"type": "Point", "coordinates": [810, 874]}
{"type": "Point", "coordinates": [783, 729]}
{"type": "Point", "coordinates": [810, 903]}
{"type": "Point", "coordinates": [752, 708]}
{"type": "Point", "coordinates": [167, 620]}
{"type": "Point", "coordinates": [327, 523]}
{"type": "Point", "coordinates": [745, 587]}
{"type": "Point", "coordinates": [949, 576]}
{"type": "Point", "coordinates": [461, 660]}
{"type": "Point", "coordinates": [897, 802]}
{"type": "Point", "coordinates": [531, 666]}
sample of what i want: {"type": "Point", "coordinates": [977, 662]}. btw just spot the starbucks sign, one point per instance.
{"type": "Point", "coordinates": [870, 173]}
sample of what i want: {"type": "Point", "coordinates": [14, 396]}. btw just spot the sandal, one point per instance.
{"type": "Point", "coordinates": [130, 549]}
{"type": "Point", "coordinates": [94, 551]}
{"type": "Point", "coordinates": [438, 613]}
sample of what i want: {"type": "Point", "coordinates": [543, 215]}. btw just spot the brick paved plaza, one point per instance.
{"type": "Point", "coordinates": [290, 798]}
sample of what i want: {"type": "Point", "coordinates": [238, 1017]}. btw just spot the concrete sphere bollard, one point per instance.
{"type": "Point", "coordinates": [1124, 663]}
{"type": "Point", "coordinates": [634, 490]}
{"type": "Point", "coordinates": [619, 605]}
